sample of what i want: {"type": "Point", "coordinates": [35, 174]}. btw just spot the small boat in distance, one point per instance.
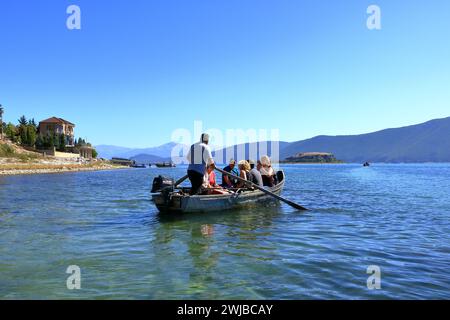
{"type": "Point", "coordinates": [366, 164]}
{"type": "Point", "coordinates": [170, 199]}
{"type": "Point", "coordinates": [140, 166]}
{"type": "Point", "coordinates": [165, 165]}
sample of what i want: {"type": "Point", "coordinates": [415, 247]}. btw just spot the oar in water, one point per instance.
{"type": "Point", "coordinates": [289, 202]}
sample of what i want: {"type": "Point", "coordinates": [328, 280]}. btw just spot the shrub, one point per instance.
{"type": "Point", "coordinates": [6, 150]}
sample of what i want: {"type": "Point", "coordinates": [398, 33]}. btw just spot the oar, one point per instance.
{"type": "Point", "coordinates": [180, 181]}
{"type": "Point", "coordinates": [292, 204]}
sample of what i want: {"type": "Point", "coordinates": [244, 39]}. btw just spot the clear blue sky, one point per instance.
{"type": "Point", "coordinates": [139, 69]}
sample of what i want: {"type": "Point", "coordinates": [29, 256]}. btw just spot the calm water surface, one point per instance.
{"type": "Point", "coordinates": [393, 216]}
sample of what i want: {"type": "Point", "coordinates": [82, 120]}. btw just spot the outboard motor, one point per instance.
{"type": "Point", "coordinates": [160, 183]}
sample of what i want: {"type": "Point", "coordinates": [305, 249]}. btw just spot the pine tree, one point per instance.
{"type": "Point", "coordinates": [2, 124]}
{"type": "Point", "coordinates": [55, 141]}
{"type": "Point", "coordinates": [23, 135]}
{"type": "Point", "coordinates": [47, 142]}
{"type": "Point", "coordinates": [31, 135]}
{"type": "Point", "coordinates": [23, 121]}
{"type": "Point", "coordinates": [11, 132]}
{"type": "Point", "coordinates": [62, 142]}
{"type": "Point", "coordinates": [32, 123]}
{"type": "Point", "coordinates": [39, 142]}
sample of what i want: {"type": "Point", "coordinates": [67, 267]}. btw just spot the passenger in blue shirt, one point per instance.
{"type": "Point", "coordinates": [227, 181]}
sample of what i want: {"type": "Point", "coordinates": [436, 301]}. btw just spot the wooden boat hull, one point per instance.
{"type": "Point", "coordinates": [209, 203]}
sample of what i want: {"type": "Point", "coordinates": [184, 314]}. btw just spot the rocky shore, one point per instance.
{"type": "Point", "coordinates": [14, 167]}
{"type": "Point", "coordinates": [15, 160]}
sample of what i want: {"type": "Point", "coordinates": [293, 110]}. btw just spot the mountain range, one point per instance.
{"type": "Point", "coordinates": [425, 142]}
{"type": "Point", "coordinates": [161, 153]}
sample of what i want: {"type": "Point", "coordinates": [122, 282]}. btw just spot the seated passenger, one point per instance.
{"type": "Point", "coordinates": [267, 172]}
{"type": "Point", "coordinates": [227, 181]}
{"type": "Point", "coordinates": [209, 182]}
{"type": "Point", "coordinates": [244, 168]}
{"type": "Point", "coordinates": [211, 177]}
{"type": "Point", "coordinates": [254, 174]}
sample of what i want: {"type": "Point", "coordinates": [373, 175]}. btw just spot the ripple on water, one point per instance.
{"type": "Point", "coordinates": [393, 216]}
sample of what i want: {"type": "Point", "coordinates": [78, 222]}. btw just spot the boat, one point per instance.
{"type": "Point", "coordinates": [165, 165]}
{"type": "Point", "coordinates": [170, 199]}
{"type": "Point", "coordinates": [366, 164]}
{"type": "Point", "coordinates": [141, 166]}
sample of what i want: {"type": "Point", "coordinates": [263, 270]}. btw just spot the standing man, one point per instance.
{"type": "Point", "coordinates": [199, 157]}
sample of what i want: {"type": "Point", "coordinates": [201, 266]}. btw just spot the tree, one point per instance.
{"type": "Point", "coordinates": [81, 142]}
{"type": "Point", "coordinates": [2, 124]}
{"type": "Point", "coordinates": [11, 132]}
{"type": "Point", "coordinates": [51, 141]}
{"type": "Point", "coordinates": [23, 134]}
{"type": "Point", "coordinates": [55, 141]}
{"type": "Point", "coordinates": [23, 121]}
{"type": "Point", "coordinates": [94, 153]}
{"type": "Point", "coordinates": [32, 123]}
{"type": "Point", "coordinates": [23, 131]}
{"type": "Point", "coordinates": [62, 142]}
{"type": "Point", "coordinates": [31, 135]}
{"type": "Point", "coordinates": [39, 142]}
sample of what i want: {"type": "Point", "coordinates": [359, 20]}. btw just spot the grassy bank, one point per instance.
{"type": "Point", "coordinates": [9, 151]}
{"type": "Point", "coordinates": [22, 168]}
{"type": "Point", "coordinates": [15, 160]}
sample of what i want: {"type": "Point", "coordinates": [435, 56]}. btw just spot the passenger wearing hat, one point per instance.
{"type": "Point", "coordinates": [199, 156]}
{"type": "Point", "coordinates": [227, 181]}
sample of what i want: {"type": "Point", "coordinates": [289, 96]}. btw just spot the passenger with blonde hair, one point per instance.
{"type": "Point", "coordinates": [244, 168]}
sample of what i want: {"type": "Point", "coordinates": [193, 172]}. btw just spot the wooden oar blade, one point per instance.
{"type": "Point", "coordinates": [296, 206]}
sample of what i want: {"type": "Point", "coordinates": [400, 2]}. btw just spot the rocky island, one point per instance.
{"type": "Point", "coordinates": [312, 157]}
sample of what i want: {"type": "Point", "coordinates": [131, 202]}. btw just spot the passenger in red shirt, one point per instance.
{"type": "Point", "coordinates": [210, 183]}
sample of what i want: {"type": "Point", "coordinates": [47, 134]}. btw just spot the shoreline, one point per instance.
{"type": "Point", "coordinates": [281, 163]}
{"type": "Point", "coordinates": [35, 169]}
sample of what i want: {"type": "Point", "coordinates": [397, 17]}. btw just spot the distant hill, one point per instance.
{"type": "Point", "coordinates": [107, 151]}
{"type": "Point", "coordinates": [235, 151]}
{"type": "Point", "coordinates": [148, 158]}
{"type": "Point", "coordinates": [426, 142]}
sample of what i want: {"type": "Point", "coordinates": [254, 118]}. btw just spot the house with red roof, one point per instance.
{"type": "Point", "coordinates": [58, 126]}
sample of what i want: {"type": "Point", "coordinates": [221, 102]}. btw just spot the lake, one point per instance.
{"type": "Point", "coordinates": [395, 217]}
